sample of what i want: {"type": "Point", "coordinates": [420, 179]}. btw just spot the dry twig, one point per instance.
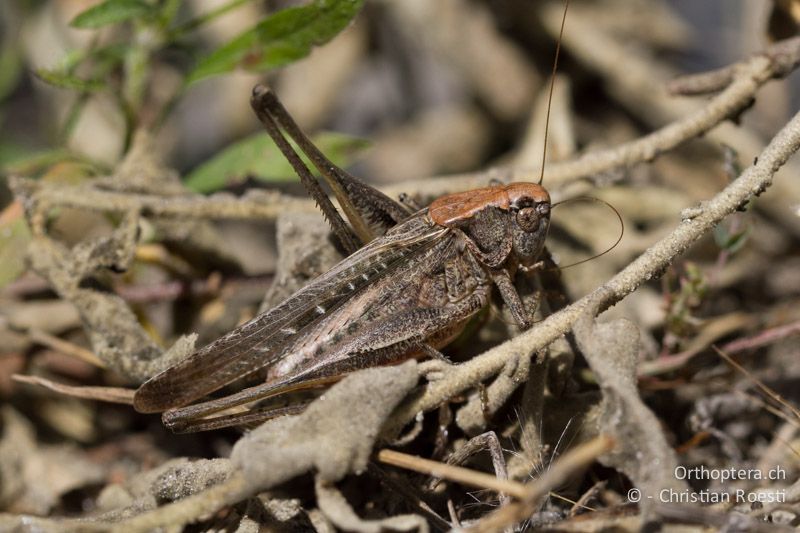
{"type": "Point", "coordinates": [452, 472]}
{"type": "Point", "coordinates": [560, 472]}
{"type": "Point", "coordinates": [105, 394]}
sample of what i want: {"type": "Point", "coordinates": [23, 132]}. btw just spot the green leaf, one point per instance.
{"type": "Point", "coordinates": [10, 68]}
{"type": "Point", "coordinates": [22, 161]}
{"type": "Point", "coordinates": [14, 238]}
{"type": "Point", "coordinates": [67, 81]}
{"type": "Point", "coordinates": [286, 36]}
{"type": "Point", "coordinates": [110, 12]}
{"type": "Point", "coordinates": [731, 241]}
{"type": "Point", "coordinates": [257, 156]}
{"type": "Point", "coordinates": [11, 152]}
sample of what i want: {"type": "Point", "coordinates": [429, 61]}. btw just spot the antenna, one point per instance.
{"type": "Point", "coordinates": [616, 212]}
{"type": "Point", "coordinates": [552, 83]}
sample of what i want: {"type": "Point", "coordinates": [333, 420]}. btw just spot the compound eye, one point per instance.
{"type": "Point", "coordinates": [528, 219]}
{"type": "Point", "coordinates": [543, 209]}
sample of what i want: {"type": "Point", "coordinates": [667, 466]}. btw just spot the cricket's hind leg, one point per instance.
{"type": "Point", "coordinates": [199, 416]}
{"type": "Point", "coordinates": [370, 212]}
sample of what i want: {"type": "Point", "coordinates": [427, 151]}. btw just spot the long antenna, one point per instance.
{"type": "Point", "coordinates": [616, 212]}
{"type": "Point", "coordinates": [552, 83]}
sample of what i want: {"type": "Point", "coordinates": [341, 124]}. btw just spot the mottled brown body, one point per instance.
{"type": "Point", "coordinates": [410, 288]}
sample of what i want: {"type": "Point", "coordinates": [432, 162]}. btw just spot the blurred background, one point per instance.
{"type": "Point", "coordinates": [410, 90]}
{"type": "Point", "coordinates": [434, 87]}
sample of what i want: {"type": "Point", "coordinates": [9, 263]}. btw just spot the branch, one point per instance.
{"type": "Point", "coordinates": [256, 204]}
{"type": "Point", "coordinates": [741, 87]}
{"type": "Point", "coordinates": [783, 54]}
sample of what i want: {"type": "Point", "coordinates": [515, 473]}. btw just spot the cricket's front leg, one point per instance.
{"type": "Point", "coordinates": [510, 296]}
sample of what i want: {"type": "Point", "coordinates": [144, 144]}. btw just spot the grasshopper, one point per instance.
{"type": "Point", "coordinates": [411, 282]}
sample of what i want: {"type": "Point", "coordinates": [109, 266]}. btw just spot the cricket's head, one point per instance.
{"type": "Point", "coordinates": [529, 206]}
{"type": "Point", "coordinates": [493, 215]}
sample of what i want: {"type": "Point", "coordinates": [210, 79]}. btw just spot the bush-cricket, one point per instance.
{"type": "Point", "coordinates": [410, 283]}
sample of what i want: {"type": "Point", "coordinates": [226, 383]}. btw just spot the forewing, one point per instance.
{"type": "Point", "coordinates": [261, 341]}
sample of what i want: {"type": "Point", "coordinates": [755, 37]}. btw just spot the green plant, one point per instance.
{"type": "Point", "coordinates": [131, 40]}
